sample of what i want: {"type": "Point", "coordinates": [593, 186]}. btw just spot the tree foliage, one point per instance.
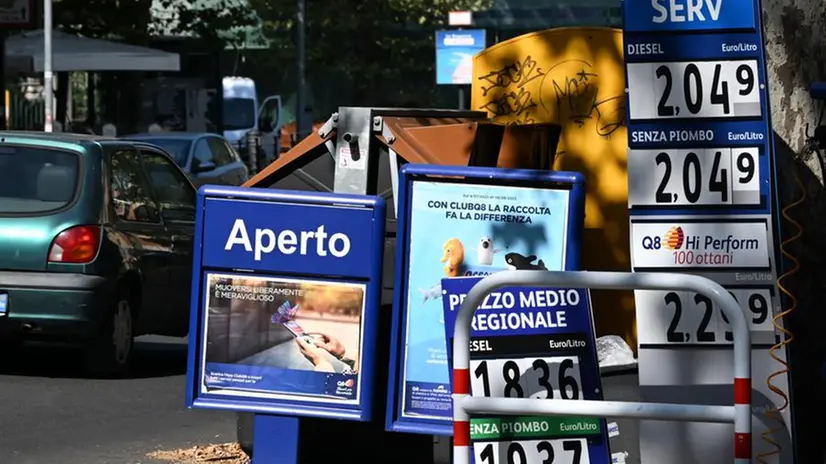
{"type": "Point", "coordinates": [136, 21]}
{"type": "Point", "coordinates": [375, 44]}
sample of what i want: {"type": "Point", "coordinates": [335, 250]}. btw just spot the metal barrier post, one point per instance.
{"type": "Point", "coordinates": [463, 404]}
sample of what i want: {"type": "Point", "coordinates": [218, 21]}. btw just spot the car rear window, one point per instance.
{"type": "Point", "coordinates": [36, 180]}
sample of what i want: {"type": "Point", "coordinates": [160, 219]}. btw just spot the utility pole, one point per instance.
{"type": "Point", "coordinates": [300, 78]}
{"type": "Point", "coordinates": [48, 91]}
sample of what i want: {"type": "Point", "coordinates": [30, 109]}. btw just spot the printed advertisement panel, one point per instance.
{"type": "Point", "coordinates": [531, 343]}
{"type": "Point", "coordinates": [686, 243]}
{"type": "Point", "coordinates": [467, 230]}
{"type": "Point", "coordinates": [280, 338]}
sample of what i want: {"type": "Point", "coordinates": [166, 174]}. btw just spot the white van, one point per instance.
{"type": "Point", "coordinates": [242, 113]}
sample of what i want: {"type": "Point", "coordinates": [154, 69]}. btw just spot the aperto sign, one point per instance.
{"type": "Point", "coordinates": [291, 238]}
{"type": "Point", "coordinates": [286, 289]}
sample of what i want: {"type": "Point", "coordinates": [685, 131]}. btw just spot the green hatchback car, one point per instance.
{"type": "Point", "coordinates": [96, 240]}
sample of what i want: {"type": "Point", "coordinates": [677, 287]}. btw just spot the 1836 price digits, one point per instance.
{"type": "Point", "coordinates": [573, 451]}
{"type": "Point", "coordinates": [705, 89]}
{"type": "Point", "coordinates": [542, 378]}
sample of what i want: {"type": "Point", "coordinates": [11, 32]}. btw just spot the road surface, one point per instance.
{"type": "Point", "coordinates": [50, 413]}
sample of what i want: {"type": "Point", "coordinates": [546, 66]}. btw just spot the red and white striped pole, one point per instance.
{"type": "Point", "coordinates": [742, 420]}
{"type": "Point", "coordinates": [461, 420]}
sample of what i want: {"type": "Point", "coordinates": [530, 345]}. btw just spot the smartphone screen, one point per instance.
{"type": "Point", "coordinates": [294, 328]}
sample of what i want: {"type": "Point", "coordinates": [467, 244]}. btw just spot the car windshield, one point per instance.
{"type": "Point", "coordinates": [239, 113]}
{"type": "Point", "coordinates": [178, 148]}
{"type": "Point", "coordinates": [36, 180]}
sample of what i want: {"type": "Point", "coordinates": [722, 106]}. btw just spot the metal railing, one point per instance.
{"type": "Point", "coordinates": [464, 404]}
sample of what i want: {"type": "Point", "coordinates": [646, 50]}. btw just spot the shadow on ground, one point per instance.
{"type": "Point", "coordinates": [152, 360]}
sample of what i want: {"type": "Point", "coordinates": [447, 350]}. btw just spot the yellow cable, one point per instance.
{"type": "Point", "coordinates": [775, 414]}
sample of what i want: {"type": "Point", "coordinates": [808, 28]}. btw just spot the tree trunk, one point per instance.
{"type": "Point", "coordinates": [796, 57]}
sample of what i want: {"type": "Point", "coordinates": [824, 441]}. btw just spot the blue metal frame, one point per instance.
{"type": "Point", "coordinates": [361, 411]}
{"type": "Point", "coordinates": [411, 173]}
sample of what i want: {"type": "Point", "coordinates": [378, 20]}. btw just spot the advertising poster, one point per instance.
{"type": "Point", "coordinates": [455, 50]}
{"type": "Point", "coordinates": [467, 230]}
{"type": "Point", "coordinates": [283, 338]}
{"type": "Point", "coordinates": [538, 343]}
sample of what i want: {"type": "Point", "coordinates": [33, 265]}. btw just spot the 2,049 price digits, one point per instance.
{"type": "Point", "coordinates": [573, 451]}
{"type": "Point", "coordinates": [694, 177]}
{"type": "Point", "coordinates": [542, 378]}
{"type": "Point", "coordinates": [704, 89]}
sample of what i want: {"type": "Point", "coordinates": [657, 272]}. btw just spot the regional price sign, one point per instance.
{"type": "Point", "coordinates": [531, 343]}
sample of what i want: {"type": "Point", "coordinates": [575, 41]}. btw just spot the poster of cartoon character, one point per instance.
{"type": "Point", "coordinates": [459, 229]}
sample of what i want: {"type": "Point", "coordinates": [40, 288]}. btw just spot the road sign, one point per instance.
{"type": "Point", "coordinates": [16, 13]}
{"type": "Point", "coordinates": [465, 221]}
{"type": "Point", "coordinates": [531, 343]}
{"type": "Point", "coordinates": [455, 50]}
{"type": "Point", "coordinates": [286, 288]}
{"type": "Point", "coordinates": [459, 18]}
{"type": "Point", "coordinates": [701, 198]}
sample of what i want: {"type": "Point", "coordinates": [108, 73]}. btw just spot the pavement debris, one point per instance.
{"type": "Point", "coordinates": [225, 453]}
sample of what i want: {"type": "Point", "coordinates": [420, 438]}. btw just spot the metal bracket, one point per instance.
{"type": "Point", "coordinates": [330, 125]}
{"type": "Point", "coordinates": [378, 126]}
{"type": "Point", "coordinates": [465, 405]}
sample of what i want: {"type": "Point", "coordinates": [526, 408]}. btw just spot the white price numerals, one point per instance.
{"type": "Point", "coordinates": [573, 451]}
{"type": "Point", "coordinates": [710, 89]}
{"type": "Point", "coordinates": [527, 378]}
{"type": "Point", "coordinates": [714, 176]}
{"type": "Point", "coordinates": [693, 318]}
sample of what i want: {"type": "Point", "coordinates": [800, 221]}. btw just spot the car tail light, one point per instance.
{"type": "Point", "coordinates": [77, 245]}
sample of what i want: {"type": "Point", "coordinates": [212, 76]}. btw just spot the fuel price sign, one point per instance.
{"type": "Point", "coordinates": [694, 176]}
{"type": "Point", "coordinates": [531, 343]}
{"type": "Point", "coordinates": [694, 89]}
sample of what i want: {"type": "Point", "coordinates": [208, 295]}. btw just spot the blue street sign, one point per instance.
{"type": "Point", "coordinates": [455, 50]}
{"type": "Point", "coordinates": [285, 296]}
{"type": "Point", "coordinates": [531, 343]}
{"type": "Point", "coordinates": [488, 221]}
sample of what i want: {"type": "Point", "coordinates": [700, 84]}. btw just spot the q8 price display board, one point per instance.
{"type": "Point", "coordinates": [700, 194]}
{"type": "Point", "coordinates": [531, 343]}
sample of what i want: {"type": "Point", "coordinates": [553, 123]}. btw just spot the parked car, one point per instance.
{"type": "Point", "coordinates": [96, 238]}
{"type": "Point", "coordinates": [207, 158]}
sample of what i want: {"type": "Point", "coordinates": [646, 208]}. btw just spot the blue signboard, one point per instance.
{"type": "Point", "coordinates": [285, 295]}
{"type": "Point", "coordinates": [697, 110]}
{"type": "Point", "coordinates": [455, 50]}
{"type": "Point", "coordinates": [701, 173]}
{"type": "Point", "coordinates": [688, 15]}
{"type": "Point", "coordinates": [486, 221]}
{"type": "Point", "coordinates": [531, 343]}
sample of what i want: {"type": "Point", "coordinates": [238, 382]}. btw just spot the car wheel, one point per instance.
{"type": "Point", "coordinates": [110, 353]}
